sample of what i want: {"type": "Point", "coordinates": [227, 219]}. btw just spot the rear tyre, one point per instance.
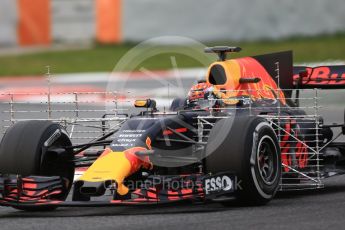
{"type": "Point", "coordinates": [250, 149]}
{"type": "Point", "coordinates": [24, 151]}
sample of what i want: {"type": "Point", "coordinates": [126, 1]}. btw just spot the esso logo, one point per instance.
{"type": "Point", "coordinates": [217, 184]}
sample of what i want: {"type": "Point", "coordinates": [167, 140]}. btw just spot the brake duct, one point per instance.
{"type": "Point", "coordinates": [116, 166]}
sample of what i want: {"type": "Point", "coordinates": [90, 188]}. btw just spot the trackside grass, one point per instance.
{"type": "Point", "coordinates": [103, 58]}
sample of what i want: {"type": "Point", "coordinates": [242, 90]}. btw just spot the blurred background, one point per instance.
{"type": "Point", "coordinates": [86, 44]}
{"type": "Point", "coordinates": [92, 35]}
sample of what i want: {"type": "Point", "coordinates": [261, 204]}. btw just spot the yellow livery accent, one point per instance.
{"type": "Point", "coordinates": [111, 166]}
{"type": "Point", "coordinates": [140, 103]}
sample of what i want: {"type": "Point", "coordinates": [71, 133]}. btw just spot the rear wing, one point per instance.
{"type": "Point", "coordinates": [322, 77]}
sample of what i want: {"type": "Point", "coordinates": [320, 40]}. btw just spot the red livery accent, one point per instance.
{"type": "Point", "coordinates": [301, 155]}
{"type": "Point", "coordinates": [286, 158]}
{"type": "Point", "coordinates": [325, 77]}
{"type": "Point", "coordinates": [293, 149]}
{"type": "Point", "coordinates": [179, 130]}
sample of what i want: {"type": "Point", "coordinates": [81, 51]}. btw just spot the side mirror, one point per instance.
{"type": "Point", "coordinates": [146, 103]}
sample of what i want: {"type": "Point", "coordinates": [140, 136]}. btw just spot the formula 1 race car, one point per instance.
{"type": "Point", "coordinates": [241, 133]}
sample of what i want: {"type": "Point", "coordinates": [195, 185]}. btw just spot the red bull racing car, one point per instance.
{"type": "Point", "coordinates": [240, 133]}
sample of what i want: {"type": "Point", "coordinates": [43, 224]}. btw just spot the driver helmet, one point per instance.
{"type": "Point", "coordinates": [197, 95]}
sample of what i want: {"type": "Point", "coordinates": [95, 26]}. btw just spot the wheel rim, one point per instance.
{"type": "Point", "coordinates": [267, 160]}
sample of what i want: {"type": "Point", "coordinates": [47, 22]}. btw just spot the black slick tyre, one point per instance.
{"type": "Point", "coordinates": [248, 147]}
{"type": "Point", "coordinates": [25, 150]}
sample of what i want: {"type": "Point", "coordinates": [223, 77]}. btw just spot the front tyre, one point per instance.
{"type": "Point", "coordinates": [251, 150]}
{"type": "Point", "coordinates": [26, 150]}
